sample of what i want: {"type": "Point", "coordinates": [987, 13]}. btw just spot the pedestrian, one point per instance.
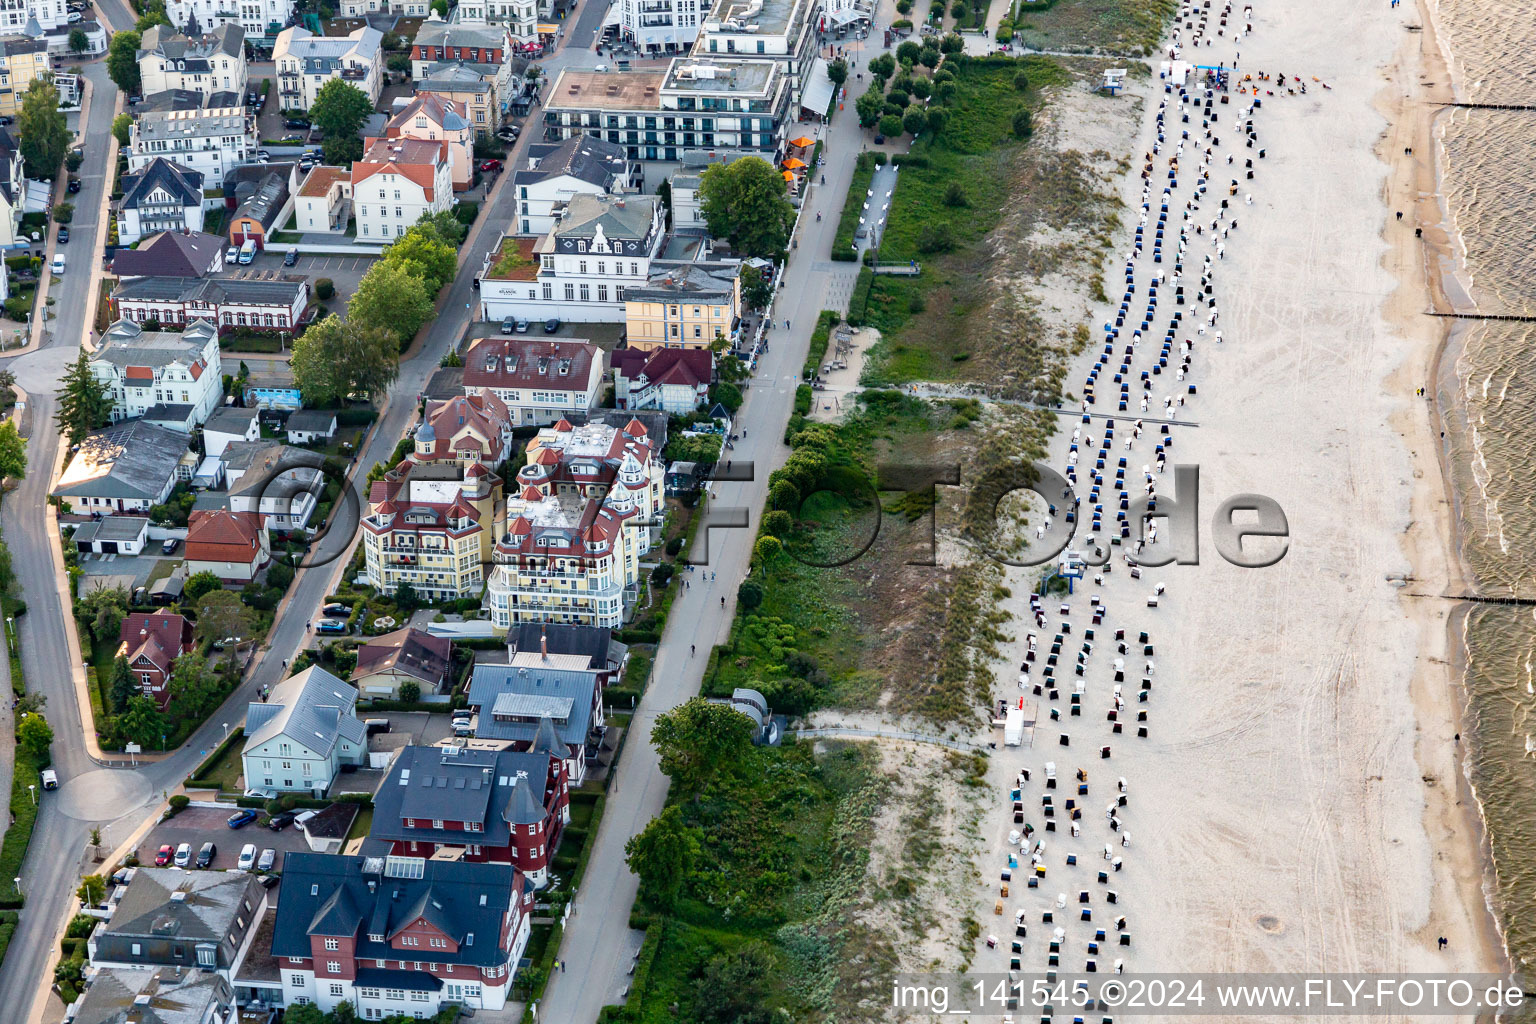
{"type": "Point", "coordinates": [1443, 943]}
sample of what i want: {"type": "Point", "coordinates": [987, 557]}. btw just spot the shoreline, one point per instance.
{"type": "Point", "coordinates": [1434, 543]}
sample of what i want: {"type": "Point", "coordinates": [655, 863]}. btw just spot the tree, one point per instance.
{"type": "Point", "coordinates": [749, 594]}
{"type": "Point", "coordinates": [221, 614]}
{"type": "Point", "coordinates": [837, 71]}
{"type": "Point", "coordinates": [143, 723]}
{"type": "Point", "coordinates": [339, 110]}
{"type": "Point", "coordinates": [13, 452]}
{"type": "Point", "coordinates": [936, 237]}
{"type": "Point", "coordinates": [331, 359]}
{"type": "Point", "coordinates": [954, 195]}
{"type": "Point", "coordinates": [883, 66]}
{"type": "Point", "coordinates": [914, 121]}
{"type": "Point", "coordinates": [745, 202]}
{"type": "Point", "coordinates": [390, 298]}
{"type": "Point", "coordinates": [123, 686]}
{"type": "Point", "coordinates": [196, 692]}
{"type": "Point", "coordinates": [736, 988]}
{"type": "Point", "coordinates": [952, 43]}
{"type": "Point", "coordinates": [63, 213]}
{"type": "Point", "coordinates": [930, 56]}
{"type": "Point", "coordinates": [756, 291]}
{"type": "Point", "coordinates": [154, 14]}
{"type": "Point", "coordinates": [35, 735]}
{"type": "Point", "coordinates": [44, 134]}
{"type": "Point", "coordinates": [93, 889]}
{"type": "Point", "coordinates": [697, 740]}
{"type": "Point", "coordinates": [908, 52]}
{"type": "Point", "coordinates": [84, 403]}
{"type": "Point", "coordinates": [444, 226]}
{"type": "Point", "coordinates": [79, 42]}
{"type": "Point", "coordinates": [122, 61]}
{"type": "Point", "coordinates": [405, 597]}
{"type": "Point", "coordinates": [201, 583]}
{"type": "Point", "coordinates": [1023, 124]}
{"type": "Point", "coordinates": [1021, 81]}
{"type": "Point", "coordinates": [869, 105]}
{"type": "Point", "coordinates": [890, 126]}
{"type": "Point", "coordinates": [122, 128]}
{"type": "Point", "coordinates": [921, 88]}
{"type": "Point", "coordinates": [341, 149]}
{"type": "Point", "coordinates": [422, 246]}
{"type": "Point", "coordinates": [104, 608]}
{"type": "Point", "coordinates": [766, 551]}
{"type": "Point", "coordinates": [777, 523]}
{"type": "Point", "coordinates": [663, 855]}
{"type": "Point", "coordinates": [304, 1013]}
{"type": "Point", "coordinates": [728, 395]}
{"type": "Point", "coordinates": [410, 692]}
{"type": "Point", "coordinates": [937, 116]}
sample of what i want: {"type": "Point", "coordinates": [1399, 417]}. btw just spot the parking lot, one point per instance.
{"type": "Point", "coordinates": [198, 825]}
{"type": "Point", "coordinates": [344, 271]}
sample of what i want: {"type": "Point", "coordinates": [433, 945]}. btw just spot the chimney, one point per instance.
{"type": "Point", "coordinates": [543, 645]}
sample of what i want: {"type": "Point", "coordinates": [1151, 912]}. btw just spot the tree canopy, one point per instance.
{"type": "Point", "coordinates": [143, 723]}
{"type": "Point", "coordinates": [221, 614]}
{"type": "Point", "coordinates": [744, 201]}
{"type": "Point", "coordinates": [663, 855]}
{"type": "Point", "coordinates": [84, 403]}
{"type": "Point", "coordinates": [391, 298]}
{"type": "Point", "coordinates": [13, 452]}
{"type": "Point", "coordinates": [697, 740]}
{"type": "Point", "coordinates": [333, 358]}
{"type": "Point", "coordinates": [339, 110]}
{"type": "Point", "coordinates": [34, 734]}
{"type": "Point", "coordinates": [44, 134]}
{"type": "Point", "coordinates": [422, 248]}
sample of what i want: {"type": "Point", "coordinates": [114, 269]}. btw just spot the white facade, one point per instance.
{"type": "Point", "coordinates": [257, 17]}
{"type": "Point", "coordinates": [389, 186]}
{"type": "Point", "coordinates": [301, 736]}
{"type": "Point", "coordinates": [659, 26]}
{"type": "Point", "coordinates": [203, 69]}
{"type": "Point", "coordinates": [404, 8]}
{"type": "Point", "coordinates": [520, 16]}
{"type": "Point", "coordinates": [48, 13]}
{"type": "Point", "coordinates": [211, 141]}
{"type": "Point", "coordinates": [288, 510]}
{"type": "Point", "coordinates": [145, 369]}
{"type": "Point", "coordinates": [305, 62]}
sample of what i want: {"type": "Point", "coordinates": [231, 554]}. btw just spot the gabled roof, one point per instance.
{"type": "Point", "coordinates": [170, 254]}
{"type": "Point", "coordinates": [219, 535]}
{"type": "Point", "coordinates": [449, 114]}
{"type": "Point", "coordinates": [684, 367]}
{"type": "Point", "coordinates": [455, 77]}
{"type": "Point", "coordinates": [320, 179]}
{"type": "Point", "coordinates": [183, 184]}
{"type": "Point", "coordinates": [591, 642]}
{"type": "Point", "coordinates": [163, 995]}
{"type": "Point", "coordinates": [263, 202]}
{"type": "Point", "coordinates": [313, 708]}
{"type": "Point", "coordinates": [585, 157]}
{"type": "Point", "coordinates": [459, 784]}
{"type": "Point", "coordinates": [157, 636]}
{"type": "Point", "coordinates": [347, 897]}
{"type": "Point", "coordinates": [621, 221]}
{"type": "Point", "coordinates": [530, 693]}
{"type": "Point", "coordinates": [406, 650]}
{"type": "Point", "coordinates": [217, 291]}
{"type": "Point", "coordinates": [530, 363]}
{"type": "Point", "coordinates": [139, 353]}
{"type": "Point", "coordinates": [195, 52]}
{"type": "Point", "coordinates": [482, 413]}
{"type": "Point", "coordinates": [414, 159]}
{"type": "Point", "coordinates": [270, 468]}
{"type": "Point", "coordinates": [206, 910]}
{"type": "Point", "coordinates": [130, 459]}
{"type": "Point", "coordinates": [228, 419]}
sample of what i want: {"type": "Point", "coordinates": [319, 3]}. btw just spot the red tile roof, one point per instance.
{"type": "Point", "coordinates": [220, 535]}
{"type": "Point", "coordinates": [414, 159]}
{"type": "Point", "coordinates": [528, 363]}
{"type": "Point", "coordinates": [159, 636]}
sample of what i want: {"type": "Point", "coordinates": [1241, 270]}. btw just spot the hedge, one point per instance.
{"type": "Point", "coordinates": [8, 921]}
{"type": "Point", "coordinates": [858, 302]}
{"type": "Point", "coordinates": [199, 778]}
{"type": "Point", "coordinates": [356, 417]}
{"type": "Point", "coordinates": [24, 812]}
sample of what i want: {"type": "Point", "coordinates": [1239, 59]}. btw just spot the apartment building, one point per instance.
{"type": "Point", "coordinates": [297, 740]}
{"type": "Point", "coordinates": [520, 17]}
{"type": "Point", "coordinates": [660, 27]}
{"type": "Point", "coordinates": [698, 106]}
{"type": "Point", "coordinates": [600, 246]}
{"type": "Point", "coordinates": [274, 302]}
{"type": "Point", "coordinates": [213, 62]}
{"type": "Point", "coordinates": [211, 142]}
{"type": "Point", "coordinates": [782, 30]}
{"type": "Point", "coordinates": [581, 165]}
{"type": "Point", "coordinates": [144, 369]}
{"type": "Point", "coordinates": [537, 381]}
{"type": "Point", "coordinates": [434, 118]}
{"type": "Point", "coordinates": [588, 504]}
{"type": "Point", "coordinates": [305, 62]}
{"type": "Point", "coordinates": [684, 306]}
{"type": "Point", "coordinates": [19, 16]}
{"type": "Point", "coordinates": [399, 935]}
{"type": "Point", "coordinates": [398, 181]}
{"type": "Point", "coordinates": [473, 87]}
{"type": "Point", "coordinates": [164, 196]}
{"type": "Point", "coordinates": [259, 18]}
{"type": "Point", "coordinates": [432, 524]}
{"type": "Point", "coordinates": [21, 60]}
{"type": "Point", "coordinates": [476, 43]}
{"type": "Point", "coordinates": [674, 380]}
{"type": "Point", "coordinates": [181, 919]}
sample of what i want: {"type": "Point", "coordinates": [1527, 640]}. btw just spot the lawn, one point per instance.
{"type": "Point", "coordinates": [224, 767]}
{"type": "Point", "coordinates": [361, 824]}
{"type": "Point", "coordinates": [1126, 27]}
{"type": "Point", "coordinates": [853, 205]}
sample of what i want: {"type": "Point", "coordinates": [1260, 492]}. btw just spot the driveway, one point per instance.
{"type": "Point", "coordinates": [139, 567]}
{"type": "Point", "coordinates": [199, 825]}
{"type": "Point", "coordinates": [344, 271]}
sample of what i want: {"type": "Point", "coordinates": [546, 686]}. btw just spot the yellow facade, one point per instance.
{"type": "Point", "coordinates": [16, 74]}
{"type": "Point", "coordinates": [651, 324]}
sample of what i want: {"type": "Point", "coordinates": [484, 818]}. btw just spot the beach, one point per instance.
{"type": "Point", "coordinates": [1299, 802]}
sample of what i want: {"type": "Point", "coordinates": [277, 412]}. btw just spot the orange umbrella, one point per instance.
{"type": "Point", "coordinates": [793, 164]}
{"type": "Point", "coordinates": [789, 176]}
{"type": "Point", "coordinates": [802, 142]}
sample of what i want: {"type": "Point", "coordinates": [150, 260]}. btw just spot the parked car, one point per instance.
{"type": "Point", "coordinates": [551, 325]}
{"type": "Point", "coordinates": [50, 778]}
{"type": "Point", "coordinates": [879, 140]}
{"type": "Point", "coordinates": [337, 610]}
{"type": "Point", "coordinates": [262, 156]}
{"type": "Point", "coordinates": [170, 545]}
{"type": "Point", "coordinates": [231, 254]}
{"type": "Point", "coordinates": [373, 725]}
{"type": "Point", "coordinates": [73, 186]}
{"type": "Point", "coordinates": [164, 854]}
{"type": "Point", "coordinates": [522, 326]}
{"type": "Point", "coordinates": [292, 138]}
{"type": "Point", "coordinates": [247, 251]}
{"type": "Point", "coordinates": [247, 859]}
{"type": "Point", "coordinates": [75, 17]}
{"type": "Point", "coordinates": [295, 122]}
{"type": "Point", "coordinates": [291, 257]}
{"type": "Point", "coordinates": [267, 859]}
{"type": "Point", "coordinates": [509, 325]}
{"type": "Point", "coordinates": [183, 855]}
{"type": "Point", "coordinates": [242, 818]}
{"type": "Point", "coordinates": [63, 234]}
{"type": "Point", "coordinates": [58, 264]}
{"type": "Point", "coordinates": [491, 165]}
{"type": "Point", "coordinates": [280, 821]}
{"type": "Point", "coordinates": [206, 854]}
{"type": "Point", "coordinates": [331, 626]}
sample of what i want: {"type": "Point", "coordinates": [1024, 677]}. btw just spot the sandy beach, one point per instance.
{"type": "Point", "coordinates": [1298, 804]}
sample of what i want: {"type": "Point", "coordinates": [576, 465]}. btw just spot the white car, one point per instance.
{"type": "Point", "coordinates": [57, 267]}
{"type": "Point", "coordinates": [183, 855]}
{"type": "Point", "coordinates": [247, 859]}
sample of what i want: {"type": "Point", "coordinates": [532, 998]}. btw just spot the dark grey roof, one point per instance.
{"type": "Point", "coordinates": [262, 202]}
{"type": "Point", "coordinates": [165, 995]}
{"type": "Point", "coordinates": [206, 909]}
{"type": "Point", "coordinates": [131, 459]}
{"type": "Point", "coordinates": [591, 641]}
{"type": "Point", "coordinates": [193, 54]}
{"type": "Point", "coordinates": [181, 124]}
{"type": "Point", "coordinates": [228, 419]}
{"type": "Point", "coordinates": [626, 222]}
{"type": "Point", "coordinates": [686, 283]}
{"type": "Point", "coordinates": [329, 895]}
{"type": "Point", "coordinates": [260, 462]}
{"type": "Point", "coordinates": [459, 784]}
{"type": "Point", "coordinates": [170, 99]}
{"type": "Point", "coordinates": [170, 254]}
{"type": "Point", "coordinates": [113, 528]}
{"type": "Point", "coordinates": [127, 344]}
{"type": "Point", "coordinates": [281, 292]}
{"type": "Point", "coordinates": [314, 708]}
{"type": "Point", "coordinates": [311, 420]}
{"type": "Point", "coordinates": [585, 157]}
{"type": "Point", "coordinates": [182, 183]}
{"type": "Point", "coordinates": [455, 77]}
{"type": "Point", "coordinates": [169, 414]}
{"type": "Point", "coordinates": [445, 383]}
{"type": "Point", "coordinates": [531, 692]}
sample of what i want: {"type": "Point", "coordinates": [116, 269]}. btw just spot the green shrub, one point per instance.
{"type": "Point", "coordinates": [325, 289]}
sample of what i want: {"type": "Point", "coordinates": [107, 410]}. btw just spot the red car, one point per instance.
{"type": "Point", "coordinates": [491, 165]}
{"type": "Point", "coordinates": [164, 854]}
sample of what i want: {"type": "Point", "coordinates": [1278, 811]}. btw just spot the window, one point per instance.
{"type": "Point", "coordinates": [437, 822]}
{"type": "Point", "coordinates": [332, 943]}
{"type": "Point", "coordinates": [586, 292]}
{"type": "Point", "coordinates": [296, 980]}
{"type": "Point", "coordinates": [570, 292]}
{"type": "Point", "coordinates": [136, 949]}
{"type": "Point", "coordinates": [332, 967]}
{"type": "Point", "coordinates": [336, 990]}
{"type": "Point", "coordinates": [295, 959]}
